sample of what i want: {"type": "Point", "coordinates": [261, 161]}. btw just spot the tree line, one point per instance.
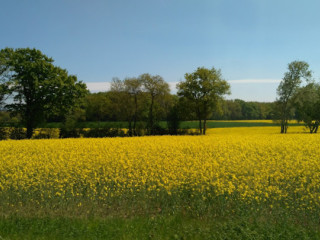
{"type": "Point", "coordinates": [241, 110]}
{"type": "Point", "coordinates": [100, 108]}
{"type": "Point", "coordinates": [35, 91]}
{"type": "Point", "coordinates": [32, 87]}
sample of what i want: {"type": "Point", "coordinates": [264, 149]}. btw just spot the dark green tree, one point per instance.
{"type": "Point", "coordinates": [133, 86]}
{"type": "Point", "coordinates": [173, 114]}
{"type": "Point", "coordinates": [97, 107]}
{"type": "Point", "coordinates": [39, 89]}
{"type": "Point", "coordinates": [157, 89]}
{"type": "Point", "coordinates": [287, 89]}
{"type": "Point", "coordinates": [307, 104]}
{"type": "Point", "coordinates": [238, 109]}
{"type": "Point", "coordinates": [235, 111]}
{"type": "Point", "coordinates": [126, 98]}
{"type": "Point", "coordinates": [203, 90]}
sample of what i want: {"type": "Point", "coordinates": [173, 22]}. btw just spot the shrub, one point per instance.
{"type": "Point", "coordinates": [71, 133]}
{"type": "Point", "coordinates": [4, 133]}
{"type": "Point", "coordinates": [47, 133]}
{"type": "Point", "coordinates": [104, 132]}
{"type": "Point", "coordinates": [18, 133]}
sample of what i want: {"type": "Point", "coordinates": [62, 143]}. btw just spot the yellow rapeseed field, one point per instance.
{"type": "Point", "coordinates": [244, 166]}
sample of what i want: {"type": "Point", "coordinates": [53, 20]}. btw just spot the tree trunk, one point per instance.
{"type": "Point", "coordinates": [130, 128]}
{"type": "Point", "coordinates": [204, 126]}
{"type": "Point", "coordinates": [29, 129]}
{"type": "Point", "coordinates": [135, 115]}
{"type": "Point", "coordinates": [284, 126]}
{"type": "Point", "coordinates": [29, 122]}
{"type": "Point", "coordinates": [200, 126]}
{"type": "Point", "coordinates": [284, 117]}
{"type": "Point", "coordinates": [314, 128]}
{"type": "Point", "coordinates": [151, 116]}
{"type": "Point", "coordinates": [311, 129]}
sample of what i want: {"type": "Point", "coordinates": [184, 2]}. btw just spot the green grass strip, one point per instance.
{"type": "Point", "coordinates": [159, 227]}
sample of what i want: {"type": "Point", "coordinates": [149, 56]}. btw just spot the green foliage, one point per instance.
{"type": "Point", "coordinates": [97, 107]}
{"type": "Point", "coordinates": [71, 132]}
{"type": "Point", "coordinates": [297, 71]}
{"type": "Point", "coordinates": [39, 88]}
{"type": "Point", "coordinates": [307, 103]}
{"type": "Point", "coordinates": [127, 98]}
{"type": "Point", "coordinates": [17, 133]}
{"type": "Point", "coordinates": [173, 120]}
{"type": "Point", "coordinates": [202, 91]}
{"type": "Point", "coordinates": [103, 132]}
{"type": "Point", "coordinates": [46, 133]}
{"type": "Point", "coordinates": [4, 133]}
{"type": "Point", "coordinates": [144, 98]}
{"type": "Point", "coordinates": [157, 90]}
{"type": "Point", "coordinates": [7, 120]}
{"type": "Point", "coordinates": [73, 118]}
{"type": "Point", "coordinates": [240, 110]}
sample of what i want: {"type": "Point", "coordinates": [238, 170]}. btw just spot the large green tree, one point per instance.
{"type": "Point", "coordinates": [307, 104]}
{"type": "Point", "coordinates": [287, 89]}
{"type": "Point", "coordinates": [157, 90]}
{"type": "Point", "coordinates": [203, 89]}
{"type": "Point", "coordinates": [126, 98]}
{"type": "Point", "coordinates": [38, 88]}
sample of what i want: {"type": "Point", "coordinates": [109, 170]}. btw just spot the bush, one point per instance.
{"type": "Point", "coordinates": [46, 133]}
{"type": "Point", "coordinates": [71, 133]}
{"type": "Point", "coordinates": [50, 133]}
{"type": "Point", "coordinates": [158, 130]}
{"type": "Point", "coordinates": [104, 132]}
{"type": "Point", "coordinates": [140, 129]}
{"type": "Point", "coordinates": [4, 133]}
{"type": "Point", "coordinates": [18, 133]}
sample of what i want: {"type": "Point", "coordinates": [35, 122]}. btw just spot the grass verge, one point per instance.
{"type": "Point", "coordinates": [159, 227]}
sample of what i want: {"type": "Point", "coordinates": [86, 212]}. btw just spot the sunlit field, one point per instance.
{"type": "Point", "coordinates": [251, 173]}
{"type": "Point", "coordinates": [252, 121]}
{"type": "Point", "coordinates": [242, 131]}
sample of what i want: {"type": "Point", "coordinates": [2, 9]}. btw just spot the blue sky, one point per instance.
{"type": "Point", "coordinates": [251, 41]}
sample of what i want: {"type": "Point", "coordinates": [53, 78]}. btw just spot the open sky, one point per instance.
{"type": "Point", "coordinates": [251, 41]}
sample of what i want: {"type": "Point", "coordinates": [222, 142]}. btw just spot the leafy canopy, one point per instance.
{"type": "Point", "coordinates": [37, 87]}
{"type": "Point", "coordinates": [202, 91]}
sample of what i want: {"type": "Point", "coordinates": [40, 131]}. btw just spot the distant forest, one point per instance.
{"type": "Point", "coordinates": [103, 107]}
{"type": "Point", "coordinates": [99, 107]}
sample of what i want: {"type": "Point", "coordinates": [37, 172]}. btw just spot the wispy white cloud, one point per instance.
{"type": "Point", "coordinates": [98, 86]}
{"type": "Point", "coordinates": [255, 81]}
{"type": "Point", "coordinates": [172, 86]}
